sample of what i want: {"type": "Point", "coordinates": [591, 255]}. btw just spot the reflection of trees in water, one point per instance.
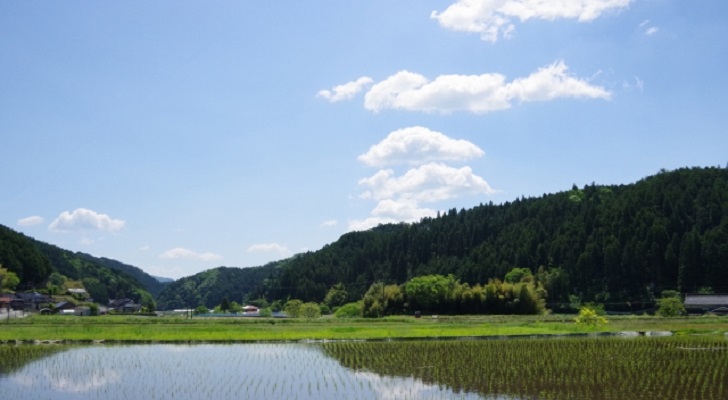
{"type": "Point", "coordinates": [13, 357]}
{"type": "Point", "coordinates": [603, 368]}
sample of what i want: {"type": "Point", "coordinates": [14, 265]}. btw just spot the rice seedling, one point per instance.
{"type": "Point", "coordinates": [13, 357]}
{"type": "Point", "coordinates": [593, 368]}
{"type": "Point", "coordinates": [596, 368]}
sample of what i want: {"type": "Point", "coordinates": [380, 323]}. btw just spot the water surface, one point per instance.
{"type": "Point", "coordinates": [248, 371]}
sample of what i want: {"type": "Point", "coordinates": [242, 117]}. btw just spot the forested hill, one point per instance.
{"type": "Point", "coordinates": [209, 287]}
{"type": "Point", "coordinates": [152, 284]}
{"type": "Point", "coordinates": [35, 262]}
{"type": "Point", "coordinates": [611, 243]}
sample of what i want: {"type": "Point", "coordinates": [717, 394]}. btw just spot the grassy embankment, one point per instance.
{"type": "Point", "coordinates": [176, 329]}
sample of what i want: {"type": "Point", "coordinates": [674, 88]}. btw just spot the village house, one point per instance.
{"type": "Point", "coordinates": [31, 301]}
{"type": "Point", "coordinates": [251, 311]}
{"type": "Point", "coordinates": [63, 306]}
{"type": "Point", "coordinates": [6, 300]}
{"type": "Point", "coordinates": [124, 306]}
{"type": "Point", "coordinates": [702, 303]}
{"type": "Point", "coordinates": [82, 311]}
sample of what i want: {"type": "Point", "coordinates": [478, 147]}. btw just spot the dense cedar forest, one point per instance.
{"type": "Point", "coordinates": [618, 245]}
{"type": "Point", "coordinates": [34, 262]}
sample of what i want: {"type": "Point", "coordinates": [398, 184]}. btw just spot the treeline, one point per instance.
{"type": "Point", "coordinates": [615, 245]}
{"type": "Point", "coordinates": [34, 263]}
{"type": "Point", "coordinates": [520, 293]}
{"type": "Point", "coordinates": [446, 295]}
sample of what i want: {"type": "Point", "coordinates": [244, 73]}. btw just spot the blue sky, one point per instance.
{"type": "Point", "coordinates": [178, 136]}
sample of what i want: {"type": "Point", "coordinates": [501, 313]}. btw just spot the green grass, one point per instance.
{"type": "Point", "coordinates": [176, 329]}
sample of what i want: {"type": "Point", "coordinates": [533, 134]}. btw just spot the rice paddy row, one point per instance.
{"type": "Point", "coordinates": [679, 367]}
{"type": "Point", "coordinates": [174, 329]}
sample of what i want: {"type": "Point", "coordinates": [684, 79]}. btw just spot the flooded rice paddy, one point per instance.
{"type": "Point", "coordinates": [566, 368]}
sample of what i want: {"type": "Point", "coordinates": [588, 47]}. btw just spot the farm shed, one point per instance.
{"type": "Point", "coordinates": [706, 302]}
{"type": "Point", "coordinates": [82, 311]}
{"type": "Point", "coordinates": [250, 311]}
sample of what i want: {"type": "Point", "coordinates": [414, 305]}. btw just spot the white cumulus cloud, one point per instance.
{"type": "Point", "coordinates": [268, 248]}
{"type": "Point", "coordinates": [82, 219]}
{"type": "Point", "coordinates": [428, 180]}
{"type": "Point", "coordinates": [552, 82]}
{"type": "Point", "coordinates": [31, 221]}
{"type": "Point", "coordinates": [429, 183]}
{"type": "Point", "coordinates": [392, 211]}
{"type": "Point", "coordinates": [417, 145]}
{"type": "Point", "coordinates": [345, 91]}
{"type": "Point", "coordinates": [477, 93]}
{"type": "Point", "coordinates": [494, 18]}
{"type": "Point", "coordinates": [183, 253]}
{"type": "Point", "coordinates": [371, 222]}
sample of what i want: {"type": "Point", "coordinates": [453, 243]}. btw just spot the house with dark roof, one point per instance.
{"type": "Point", "coordinates": [124, 305]}
{"type": "Point", "coordinates": [63, 305]}
{"type": "Point", "coordinates": [702, 303]}
{"type": "Point", "coordinates": [32, 301]}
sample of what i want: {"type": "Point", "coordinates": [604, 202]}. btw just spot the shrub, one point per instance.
{"type": "Point", "coordinates": [310, 310]}
{"type": "Point", "coordinates": [293, 308]}
{"type": "Point", "coordinates": [349, 310]}
{"type": "Point", "coordinates": [670, 307]}
{"type": "Point", "coordinates": [588, 316]}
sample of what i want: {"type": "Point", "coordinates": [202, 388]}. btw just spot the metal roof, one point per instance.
{"type": "Point", "coordinates": [706, 300]}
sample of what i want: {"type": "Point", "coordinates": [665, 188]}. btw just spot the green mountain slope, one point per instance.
{"type": "Point", "coordinates": [613, 244]}
{"type": "Point", "coordinates": [150, 283]}
{"type": "Point", "coordinates": [210, 287]}
{"type": "Point", "coordinates": [34, 261]}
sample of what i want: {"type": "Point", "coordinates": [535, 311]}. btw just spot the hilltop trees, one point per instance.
{"type": "Point", "coordinates": [617, 245]}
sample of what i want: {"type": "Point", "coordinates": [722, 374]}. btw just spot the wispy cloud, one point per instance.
{"type": "Point", "coordinates": [648, 28]}
{"type": "Point", "coordinates": [82, 219]}
{"type": "Point", "coordinates": [638, 85]}
{"type": "Point", "coordinates": [268, 248]}
{"type": "Point", "coordinates": [31, 221]}
{"type": "Point", "coordinates": [493, 19]}
{"type": "Point", "coordinates": [477, 94]}
{"type": "Point", "coordinates": [183, 253]}
{"type": "Point", "coordinates": [329, 223]}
